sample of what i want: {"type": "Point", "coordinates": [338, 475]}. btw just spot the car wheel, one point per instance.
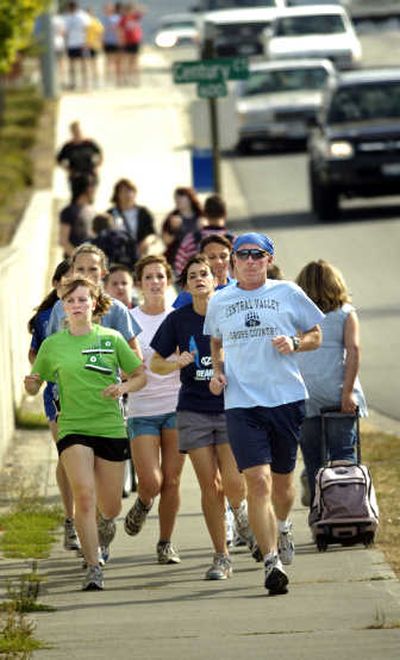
{"type": "Point", "coordinates": [324, 200]}
{"type": "Point", "coordinates": [244, 147]}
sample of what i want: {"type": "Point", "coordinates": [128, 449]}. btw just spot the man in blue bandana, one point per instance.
{"type": "Point", "coordinates": [257, 326]}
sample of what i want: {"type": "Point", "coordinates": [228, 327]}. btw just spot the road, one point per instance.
{"type": "Point", "coordinates": [364, 243]}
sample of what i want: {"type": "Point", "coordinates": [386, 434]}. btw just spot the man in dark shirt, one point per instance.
{"type": "Point", "coordinates": [80, 155]}
{"type": "Point", "coordinates": [76, 218]}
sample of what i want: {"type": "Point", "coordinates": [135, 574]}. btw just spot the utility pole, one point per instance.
{"type": "Point", "coordinates": [208, 53]}
{"type": "Point", "coordinates": [48, 62]}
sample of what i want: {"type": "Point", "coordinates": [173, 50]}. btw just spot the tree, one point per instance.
{"type": "Point", "coordinates": [17, 18]}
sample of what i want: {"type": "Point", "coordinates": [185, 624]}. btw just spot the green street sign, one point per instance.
{"type": "Point", "coordinates": [212, 90]}
{"type": "Point", "coordinates": [211, 71]}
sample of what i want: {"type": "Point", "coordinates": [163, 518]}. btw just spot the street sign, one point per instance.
{"type": "Point", "coordinates": [212, 90]}
{"type": "Point", "coordinates": [211, 71]}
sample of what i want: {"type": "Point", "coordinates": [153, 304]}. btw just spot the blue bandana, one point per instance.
{"type": "Point", "coordinates": [252, 238]}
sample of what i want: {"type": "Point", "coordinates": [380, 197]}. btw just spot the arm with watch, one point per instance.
{"type": "Point", "coordinates": [302, 341]}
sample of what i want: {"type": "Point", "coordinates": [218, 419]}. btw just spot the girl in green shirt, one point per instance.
{"type": "Point", "coordinates": [85, 360]}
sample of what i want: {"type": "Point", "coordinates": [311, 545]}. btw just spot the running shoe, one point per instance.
{"type": "Point", "coordinates": [100, 559]}
{"type": "Point", "coordinates": [166, 553]}
{"type": "Point", "coordinates": [93, 580]}
{"type": "Point", "coordinates": [286, 546]}
{"type": "Point", "coordinates": [276, 580]}
{"type": "Point", "coordinates": [242, 524]}
{"type": "Point", "coordinates": [229, 526]}
{"type": "Point", "coordinates": [106, 530]}
{"type": "Point", "coordinates": [221, 567]}
{"type": "Point", "coordinates": [136, 517]}
{"type": "Point", "coordinates": [71, 540]}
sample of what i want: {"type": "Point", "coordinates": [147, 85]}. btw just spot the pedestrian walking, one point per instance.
{"type": "Point", "coordinates": [76, 22]}
{"type": "Point", "coordinates": [257, 327]}
{"type": "Point", "coordinates": [84, 360]}
{"type": "Point", "coordinates": [80, 155]}
{"type": "Point", "coordinates": [182, 220]}
{"type": "Point", "coordinates": [76, 218]}
{"type": "Point", "coordinates": [331, 372]}
{"type": "Point", "coordinates": [152, 417]}
{"type": "Point", "coordinates": [200, 416]}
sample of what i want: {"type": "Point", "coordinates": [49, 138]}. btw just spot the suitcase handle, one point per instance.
{"type": "Point", "coordinates": [334, 412]}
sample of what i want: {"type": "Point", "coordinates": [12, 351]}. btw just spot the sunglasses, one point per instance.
{"type": "Point", "coordinates": [254, 253]}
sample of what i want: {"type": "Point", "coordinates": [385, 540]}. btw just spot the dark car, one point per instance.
{"type": "Point", "coordinates": [354, 150]}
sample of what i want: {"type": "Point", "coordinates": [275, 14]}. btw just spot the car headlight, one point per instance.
{"type": "Point", "coordinates": [164, 40]}
{"type": "Point", "coordinates": [340, 149]}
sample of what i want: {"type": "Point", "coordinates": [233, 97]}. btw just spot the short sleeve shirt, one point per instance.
{"type": "Point", "coordinates": [183, 329]}
{"type": "Point", "coordinates": [83, 366]}
{"type": "Point", "coordinates": [247, 322]}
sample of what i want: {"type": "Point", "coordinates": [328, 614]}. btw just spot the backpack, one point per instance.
{"type": "Point", "coordinates": [118, 246]}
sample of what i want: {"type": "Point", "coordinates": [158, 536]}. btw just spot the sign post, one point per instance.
{"type": "Point", "coordinates": [211, 74]}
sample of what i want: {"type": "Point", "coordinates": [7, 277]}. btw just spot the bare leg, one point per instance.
{"type": "Point", "coordinates": [260, 510]}
{"type": "Point", "coordinates": [205, 465]}
{"type": "Point", "coordinates": [171, 467]}
{"type": "Point", "coordinates": [232, 480]}
{"type": "Point", "coordinates": [283, 494]}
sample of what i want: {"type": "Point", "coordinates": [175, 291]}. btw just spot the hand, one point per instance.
{"type": "Point", "coordinates": [283, 344]}
{"type": "Point", "coordinates": [349, 404]}
{"type": "Point", "coordinates": [184, 359]}
{"type": "Point", "coordinates": [32, 383]}
{"type": "Point", "coordinates": [175, 222]}
{"type": "Point", "coordinates": [114, 391]}
{"type": "Point", "coordinates": [218, 384]}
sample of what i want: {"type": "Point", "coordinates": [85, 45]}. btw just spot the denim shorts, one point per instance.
{"type": "Point", "coordinates": [152, 425]}
{"type": "Point", "coordinates": [266, 436]}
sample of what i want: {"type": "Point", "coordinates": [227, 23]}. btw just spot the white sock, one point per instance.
{"type": "Point", "coordinates": [284, 525]}
{"type": "Point", "coordinates": [270, 556]}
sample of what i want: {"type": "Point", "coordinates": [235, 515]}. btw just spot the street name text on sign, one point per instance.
{"type": "Point", "coordinates": [214, 70]}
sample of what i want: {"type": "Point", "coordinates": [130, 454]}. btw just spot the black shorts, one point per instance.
{"type": "Point", "coordinates": [132, 48]}
{"type": "Point", "coordinates": [76, 53]}
{"type": "Point", "coordinates": [111, 449]}
{"type": "Point", "coordinates": [112, 48]}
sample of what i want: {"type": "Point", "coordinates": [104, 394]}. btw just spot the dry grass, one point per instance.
{"type": "Point", "coordinates": [381, 452]}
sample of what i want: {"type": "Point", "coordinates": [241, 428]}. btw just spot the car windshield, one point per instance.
{"type": "Point", "coordinates": [235, 4]}
{"type": "Point", "coordinates": [364, 102]}
{"type": "Point", "coordinates": [296, 26]}
{"type": "Point", "coordinates": [266, 82]}
{"type": "Point", "coordinates": [177, 25]}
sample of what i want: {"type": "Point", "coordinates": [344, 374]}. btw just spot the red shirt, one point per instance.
{"type": "Point", "coordinates": [131, 28]}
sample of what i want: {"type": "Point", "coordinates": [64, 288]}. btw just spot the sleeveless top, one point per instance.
{"type": "Point", "coordinates": [323, 369]}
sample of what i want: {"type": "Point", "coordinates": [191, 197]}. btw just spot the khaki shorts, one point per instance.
{"type": "Point", "coordinates": [200, 430]}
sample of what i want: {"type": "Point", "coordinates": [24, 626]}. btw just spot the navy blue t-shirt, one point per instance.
{"type": "Point", "coordinates": [183, 328]}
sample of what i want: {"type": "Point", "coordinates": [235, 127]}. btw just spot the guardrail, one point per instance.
{"type": "Point", "coordinates": [24, 265]}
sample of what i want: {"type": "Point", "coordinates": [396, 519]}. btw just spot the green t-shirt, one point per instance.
{"type": "Point", "coordinates": [83, 366]}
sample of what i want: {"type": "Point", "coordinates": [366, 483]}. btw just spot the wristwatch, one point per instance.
{"type": "Point", "coordinates": [296, 343]}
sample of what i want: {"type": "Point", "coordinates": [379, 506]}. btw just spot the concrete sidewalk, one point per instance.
{"type": "Point", "coordinates": [168, 612]}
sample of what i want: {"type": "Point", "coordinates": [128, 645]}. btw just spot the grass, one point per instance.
{"type": "Point", "coordinates": [17, 635]}
{"type": "Point", "coordinates": [29, 530]}
{"type": "Point", "coordinates": [30, 419]}
{"type": "Point", "coordinates": [381, 452]}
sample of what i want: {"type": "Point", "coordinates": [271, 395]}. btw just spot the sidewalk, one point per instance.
{"type": "Point", "coordinates": [171, 612]}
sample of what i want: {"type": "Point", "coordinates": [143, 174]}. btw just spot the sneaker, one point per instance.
{"type": "Point", "coordinates": [166, 553]}
{"type": "Point", "coordinates": [242, 524]}
{"type": "Point", "coordinates": [276, 580]}
{"type": "Point", "coordinates": [286, 546]}
{"type": "Point", "coordinates": [221, 568]}
{"type": "Point", "coordinates": [256, 553]}
{"type": "Point", "coordinates": [106, 530]}
{"type": "Point", "coordinates": [99, 558]}
{"type": "Point", "coordinates": [136, 517]}
{"type": "Point", "coordinates": [305, 496]}
{"type": "Point", "coordinates": [93, 580]}
{"type": "Point", "coordinates": [71, 540]}
{"type": "Point", "coordinates": [229, 526]}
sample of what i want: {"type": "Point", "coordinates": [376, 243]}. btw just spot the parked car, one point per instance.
{"type": "Point", "coordinates": [314, 31]}
{"type": "Point", "coordinates": [238, 32]}
{"type": "Point", "coordinates": [279, 100]}
{"type": "Point", "coordinates": [176, 30]}
{"type": "Point", "coordinates": [354, 150]}
{"type": "Point", "coordinates": [213, 5]}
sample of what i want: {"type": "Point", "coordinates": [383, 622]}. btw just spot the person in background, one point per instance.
{"type": "Point", "coordinates": [80, 156]}
{"type": "Point", "coordinates": [76, 22]}
{"type": "Point", "coordinates": [94, 44]}
{"type": "Point", "coordinates": [152, 417]}
{"type": "Point", "coordinates": [217, 248]}
{"type": "Point", "coordinates": [131, 35]}
{"type": "Point", "coordinates": [200, 416]}
{"type": "Point", "coordinates": [85, 360]}
{"type": "Point", "coordinates": [37, 326]}
{"type": "Point", "coordinates": [213, 222]}
{"type": "Point", "coordinates": [256, 327]}
{"type": "Point", "coordinates": [184, 219]}
{"type": "Point", "coordinates": [117, 244]}
{"type": "Point", "coordinates": [118, 283]}
{"type": "Point", "coordinates": [112, 42]}
{"type": "Point", "coordinates": [331, 372]}
{"type": "Point", "coordinates": [76, 218]}
{"type": "Point", "coordinates": [135, 219]}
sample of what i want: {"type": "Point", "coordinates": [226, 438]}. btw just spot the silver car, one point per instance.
{"type": "Point", "coordinates": [279, 101]}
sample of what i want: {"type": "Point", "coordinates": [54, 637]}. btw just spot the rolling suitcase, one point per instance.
{"type": "Point", "coordinates": [345, 509]}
